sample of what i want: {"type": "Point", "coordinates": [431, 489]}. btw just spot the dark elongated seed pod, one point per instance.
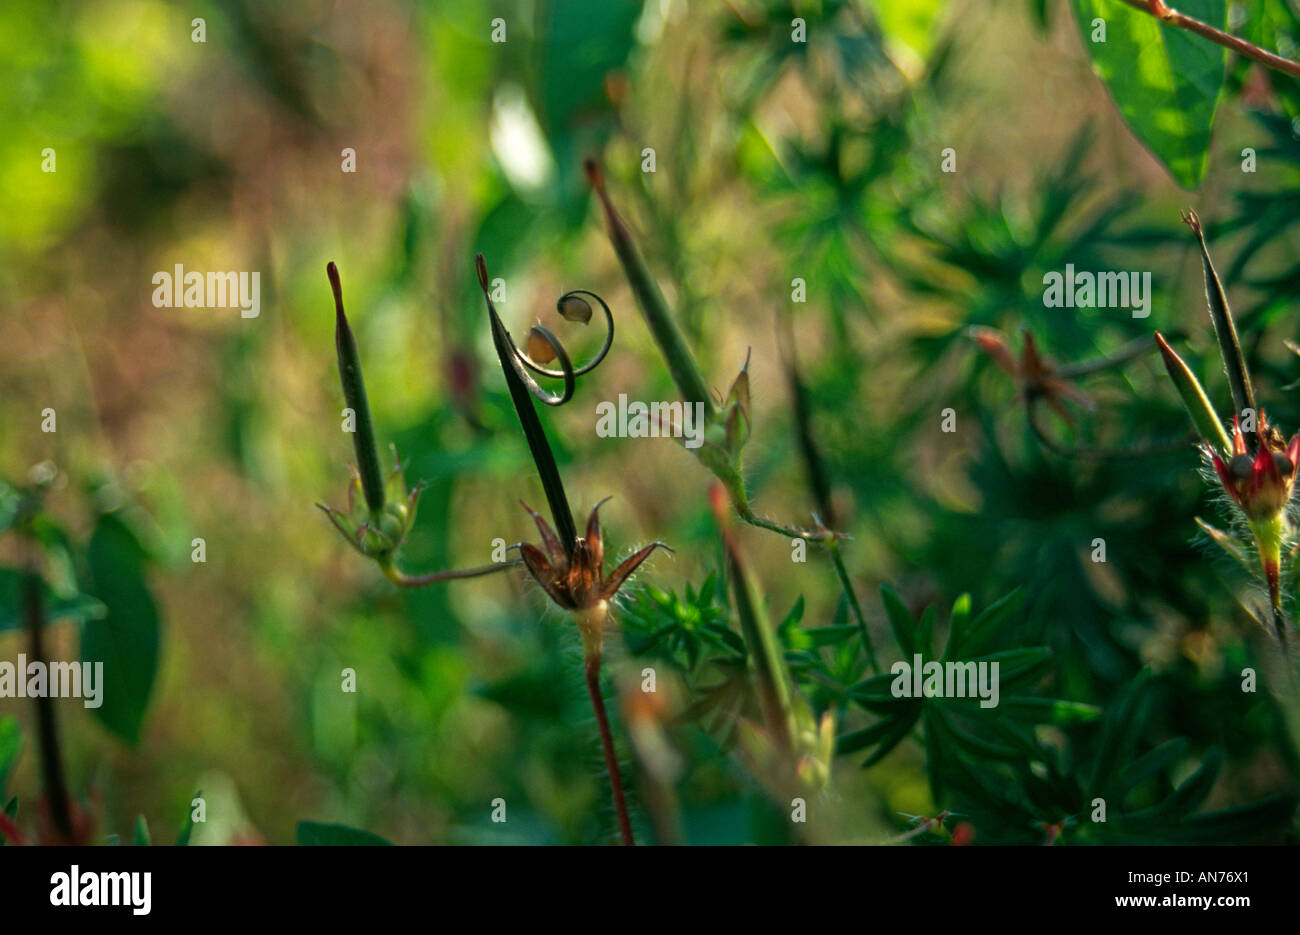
{"type": "Point", "coordinates": [354, 394]}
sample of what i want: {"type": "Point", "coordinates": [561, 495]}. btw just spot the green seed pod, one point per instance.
{"type": "Point", "coordinates": [354, 394]}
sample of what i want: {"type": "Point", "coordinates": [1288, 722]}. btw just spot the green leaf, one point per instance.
{"type": "Point", "coordinates": [11, 745]}
{"type": "Point", "coordinates": [925, 632]}
{"type": "Point", "coordinates": [9, 503]}
{"type": "Point", "coordinates": [977, 743]}
{"type": "Point", "coordinates": [126, 641]}
{"type": "Point", "coordinates": [957, 622]}
{"type": "Point", "coordinates": [1015, 663]}
{"type": "Point", "coordinates": [1150, 764]}
{"type": "Point", "coordinates": [900, 621]}
{"type": "Point", "coordinates": [140, 837]}
{"type": "Point", "coordinates": [970, 638]}
{"type": "Point", "coordinates": [1190, 793]}
{"type": "Point", "coordinates": [1054, 711]}
{"type": "Point", "coordinates": [902, 726]}
{"type": "Point", "coordinates": [77, 608]}
{"type": "Point", "coordinates": [1234, 825]}
{"type": "Point", "coordinates": [187, 829]}
{"type": "Point", "coordinates": [911, 24]}
{"type": "Point", "coordinates": [313, 833]}
{"type": "Point", "coordinates": [1165, 81]}
{"type": "Point", "coordinates": [875, 693]}
{"type": "Point", "coordinates": [857, 740]}
{"type": "Point", "coordinates": [1122, 726]}
{"type": "Point", "coordinates": [1197, 404]}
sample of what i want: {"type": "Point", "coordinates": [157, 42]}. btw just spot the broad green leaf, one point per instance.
{"type": "Point", "coordinates": [313, 833]}
{"type": "Point", "coordinates": [75, 608]}
{"type": "Point", "coordinates": [910, 23]}
{"type": "Point", "coordinates": [126, 640]}
{"type": "Point", "coordinates": [1165, 81]}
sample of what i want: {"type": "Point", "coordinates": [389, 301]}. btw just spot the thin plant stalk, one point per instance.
{"type": "Point", "coordinates": [774, 692]}
{"type": "Point", "coordinates": [56, 787]}
{"type": "Point", "coordinates": [819, 482]}
{"type": "Point", "coordinates": [403, 580]}
{"type": "Point", "coordinates": [846, 584]}
{"type": "Point", "coordinates": [1172, 17]}
{"type": "Point", "coordinates": [590, 620]}
{"type": "Point", "coordinates": [591, 666]}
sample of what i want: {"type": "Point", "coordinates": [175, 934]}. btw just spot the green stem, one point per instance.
{"type": "Point", "coordinates": [833, 546]}
{"type": "Point", "coordinates": [1172, 17]}
{"type": "Point", "coordinates": [403, 580]}
{"type": "Point", "coordinates": [774, 690]}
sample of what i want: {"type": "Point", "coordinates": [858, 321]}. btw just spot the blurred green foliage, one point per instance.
{"type": "Point", "coordinates": [775, 160]}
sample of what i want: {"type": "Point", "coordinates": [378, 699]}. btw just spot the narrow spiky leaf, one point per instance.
{"type": "Point", "coordinates": [1230, 544]}
{"type": "Point", "coordinates": [1198, 405]}
{"type": "Point", "coordinates": [354, 394]}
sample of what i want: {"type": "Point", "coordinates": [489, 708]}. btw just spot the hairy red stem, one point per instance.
{"type": "Point", "coordinates": [592, 665]}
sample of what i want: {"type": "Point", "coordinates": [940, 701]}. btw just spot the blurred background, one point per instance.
{"type": "Point", "coordinates": [773, 160]}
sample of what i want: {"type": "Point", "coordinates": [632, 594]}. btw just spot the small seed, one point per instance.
{"type": "Point", "coordinates": [575, 308]}
{"type": "Point", "coordinates": [539, 349]}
